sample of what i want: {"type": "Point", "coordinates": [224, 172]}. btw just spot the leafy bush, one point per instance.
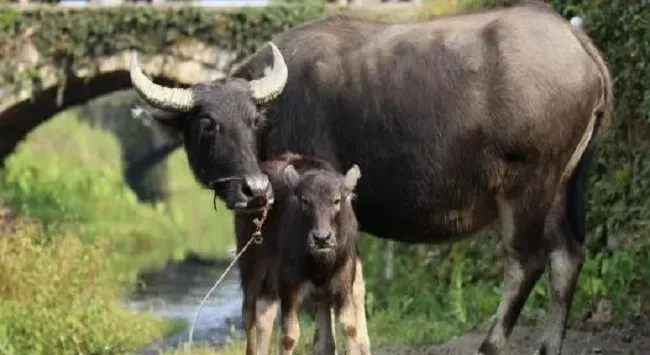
{"type": "Point", "coordinates": [64, 298]}
{"type": "Point", "coordinates": [68, 176]}
{"type": "Point", "coordinates": [72, 38]}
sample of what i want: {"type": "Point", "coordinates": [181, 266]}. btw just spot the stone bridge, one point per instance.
{"type": "Point", "coordinates": [23, 108]}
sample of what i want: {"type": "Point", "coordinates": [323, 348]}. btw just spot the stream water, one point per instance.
{"type": "Point", "coordinates": [177, 291]}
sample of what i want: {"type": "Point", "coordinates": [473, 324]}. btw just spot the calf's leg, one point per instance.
{"type": "Point", "coordinates": [348, 320]}
{"type": "Point", "coordinates": [324, 343]}
{"type": "Point", "coordinates": [522, 231]}
{"type": "Point", "coordinates": [248, 312]}
{"type": "Point", "coordinates": [289, 306]}
{"type": "Point", "coordinates": [265, 312]}
{"type": "Point", "coordinates": [359, 300]}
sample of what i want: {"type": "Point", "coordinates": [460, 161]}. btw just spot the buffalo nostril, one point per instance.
{"type": "Point", "coordinates": [256, 185]}
{"type": "Point", "coordinates": [321, 237]}
{"type": "Point", "coordinates": [246, 190]}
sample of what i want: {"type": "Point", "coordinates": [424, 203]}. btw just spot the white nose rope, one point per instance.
{"type": "Point", "coordinates": [255, 238]}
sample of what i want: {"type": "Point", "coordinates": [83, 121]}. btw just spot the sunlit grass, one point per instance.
{"type": "Point", "coordinates": [64, 297]}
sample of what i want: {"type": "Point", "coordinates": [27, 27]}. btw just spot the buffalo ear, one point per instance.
{"type": "Point", "coordinates": [170, 123]}
{"type": "Point", "coordinates": [351, 178]}
{"type": "Point", "coordinates": [291, 176]}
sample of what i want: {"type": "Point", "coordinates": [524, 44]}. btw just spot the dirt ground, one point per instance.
{"type": "Point", "coordinates": [633, 338]}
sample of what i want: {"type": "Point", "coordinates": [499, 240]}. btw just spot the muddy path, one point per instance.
{"type": "Point", "coordinates": [631, 338]}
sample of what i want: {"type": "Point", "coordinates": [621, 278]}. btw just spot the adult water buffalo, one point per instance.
{"type": "Point", "coordinates": [456, 122]}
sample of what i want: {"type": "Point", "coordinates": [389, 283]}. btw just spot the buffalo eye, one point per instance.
{"type": "Point", "coordinates": [256, 122]}
{"type": "Point", "coordinates": [209, 125]}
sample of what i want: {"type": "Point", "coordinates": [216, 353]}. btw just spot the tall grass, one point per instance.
{"type": "Point", "coordinates": [63, 297]}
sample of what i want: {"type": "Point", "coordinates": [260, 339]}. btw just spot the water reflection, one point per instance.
{"type": "Point", "coordinates": [176, 292]}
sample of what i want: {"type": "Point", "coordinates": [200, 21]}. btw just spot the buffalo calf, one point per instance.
{"type": "Point", "coordinates": [308, 247]}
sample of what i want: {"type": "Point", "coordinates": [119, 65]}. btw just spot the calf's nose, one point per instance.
{"type": "Point", "coordinates": [256, 185]}
{"type": "Point", "coordinates": [321, 237]}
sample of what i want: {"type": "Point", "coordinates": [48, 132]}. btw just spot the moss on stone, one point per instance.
{"type": "Point", "coordinates": [73, 37]}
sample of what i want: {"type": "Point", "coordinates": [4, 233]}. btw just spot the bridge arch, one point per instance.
{"type": "Point", "coordinates": [24, 108]}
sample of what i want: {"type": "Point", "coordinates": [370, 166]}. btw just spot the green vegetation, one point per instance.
{"type": "Point", "coordinates": [70, 38]}
{"type": "Point", "coordinates": [92, 234]}
{"type": "Point", "coordinates": [81, 190]}
{"type": "Point", "coordinates": [62, 279]}
{"type": "Point", "coordinates": [63, 298]}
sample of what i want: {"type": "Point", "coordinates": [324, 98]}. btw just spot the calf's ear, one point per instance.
{"type": "Point", "coordinates": [291, 175]}
{"type": "Point", "coordinates": [351, 178]}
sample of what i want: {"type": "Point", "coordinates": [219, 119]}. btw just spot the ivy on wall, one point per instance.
{"type": "Point", "coordinates": [69, 37]}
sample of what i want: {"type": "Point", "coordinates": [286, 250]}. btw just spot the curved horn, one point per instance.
{"type": "Point", "coordinates": [271, 85]}
{"type": "Point", "coordinates": [170, 99]}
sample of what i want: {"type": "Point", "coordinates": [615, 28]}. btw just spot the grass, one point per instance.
{"type": "Point", "coordinates": [63, 297]}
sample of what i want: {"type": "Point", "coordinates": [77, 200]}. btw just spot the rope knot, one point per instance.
{"type": "Point", "coordinates": [259, 223]}
{"type": "Point", "coordinates": [257, 237]}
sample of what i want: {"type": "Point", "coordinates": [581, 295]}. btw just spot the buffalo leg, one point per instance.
{"type": "Point", "coordinates": [359, 300]}
{"type": "Point", "coordinates": [248, 312]}
{"type": "Point", "coordinates": [525, 264]}
{"type": "Point", "coordinates": [565, 262]}
{"type": "Point", "coordinates": [265, 312]}
{"type": "Point", "coordinates": [324, 343]}
{"type": "Point", "coordinates": [289, 305]}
